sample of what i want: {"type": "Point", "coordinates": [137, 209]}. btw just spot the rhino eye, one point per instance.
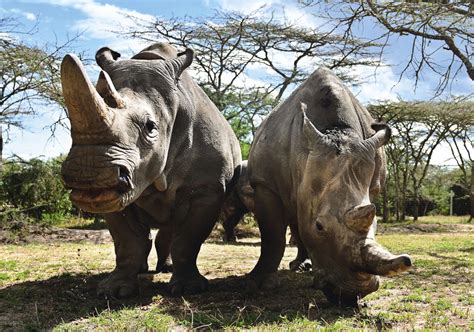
{"type": "Point", "coordinates": [319, 226]}
{"type": "Point", "coordinates": [150, 126]}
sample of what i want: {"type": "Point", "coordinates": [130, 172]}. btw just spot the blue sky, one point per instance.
{"type": "Point", "coordinates": [94, 19]}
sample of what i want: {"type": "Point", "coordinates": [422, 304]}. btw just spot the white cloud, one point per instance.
{"type": "Point", "coordinates": [102, 20]}
{"type": "Point", "coordinates": [279, 9]}
{"type": "Point", "coordinates": [29, 16]}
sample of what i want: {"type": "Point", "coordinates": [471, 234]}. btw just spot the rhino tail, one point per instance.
{"type": "Point", "coordinates": [233, 181]}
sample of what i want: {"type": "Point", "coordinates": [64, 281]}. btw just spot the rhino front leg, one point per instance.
{"type": "Point", "coordinates": [163, 248]}
{"type": "Point", "coordinates": [271, 220]}
{"type": "Point", "coordinates": [194, 220]}
{"type": "Point", "coordinates": [131, 235]}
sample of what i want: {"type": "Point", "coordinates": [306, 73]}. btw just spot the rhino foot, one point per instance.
{"type": "Point", "coordinates": [194, 285]}
{"type": "Point", "coordinates": [256, 282]}
{"type": "Point", "coordinates": [300, 266]}
{"type": "Point", "coordinates": [164, 268]}
{"type": "Point", "coordinates": [118, 286]}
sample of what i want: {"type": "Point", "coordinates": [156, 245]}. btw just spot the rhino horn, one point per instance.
{"type": "Point", "coordinates": [315, 138]}
{"type": "Point", "coordinates": [107, 90]}
{"type": "Point", "coordinates": [360, 218]}
{"type": "Point", "coordinates": [381, 136]}
{"type": "Point", "coordinates": [182, 62]}
{"type": "Point", "coordinates": [87, 111]}
{"type": "Point", "coordinates": [105, 57]}
{"type": "Point", "coordinates": [379, 261]}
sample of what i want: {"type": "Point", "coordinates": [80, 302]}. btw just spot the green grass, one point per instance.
{"type": "Point", "coordinates": [53, 286]}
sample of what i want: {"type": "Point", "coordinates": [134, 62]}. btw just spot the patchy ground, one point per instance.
{"type": "Point", "coordinates": [48, 281]}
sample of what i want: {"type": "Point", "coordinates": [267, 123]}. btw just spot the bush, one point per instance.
{"type": "Point", "coordinates": [33, 188]}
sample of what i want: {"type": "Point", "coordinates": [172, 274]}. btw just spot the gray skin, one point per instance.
{"type": "Point", "coordinates": [315, 164]}
{"type": "Point", "coordinates": [149, 150]}
{"type": "Point", "coordinates": [240, 202]}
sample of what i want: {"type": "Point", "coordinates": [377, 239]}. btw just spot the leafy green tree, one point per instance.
{"type": "Point", "coordinates": [230, 47]}
{"type": "Point", "coordinates": [30, 77]}
{"type": "Point", "coordinates": [419, 128]}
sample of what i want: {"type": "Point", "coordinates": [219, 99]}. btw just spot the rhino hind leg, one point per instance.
{"type": "Point", "coordinates": [130, 232]}
{"type": "Point", "coordinates": [272, 224]}
{"type": "Point", "coordinates": [301, 263]}
{"type": "Point", "coordinates": [231, 221]}
{"type": "Point", "coordinates": [163, 249]}
{"type": "Point", "coordinates": [194, 220]}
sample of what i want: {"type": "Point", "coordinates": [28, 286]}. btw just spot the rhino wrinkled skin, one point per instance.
{"type": "Point", "coordinates": [149, 150]}
{"type": "Point", "coordinates": [315, 164]}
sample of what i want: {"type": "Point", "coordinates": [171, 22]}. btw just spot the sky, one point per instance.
{"type": "Point", "coordinates": [95, 21]}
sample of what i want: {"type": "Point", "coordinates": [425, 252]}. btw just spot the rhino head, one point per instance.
{"type": "Point", "coordinates": [121, 128]}
{"type": "Point", "coordinates": [337, 223]}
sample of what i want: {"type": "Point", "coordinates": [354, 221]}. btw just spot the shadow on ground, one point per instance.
{"type": "Point", "coordinates": [45, 304]}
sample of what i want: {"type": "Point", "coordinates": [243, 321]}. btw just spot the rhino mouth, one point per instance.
{"type": "Point", "coordinates": [102, 200]}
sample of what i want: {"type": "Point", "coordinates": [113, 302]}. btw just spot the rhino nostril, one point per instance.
{"type": "Point", "coordinates": [407, 261]}
{"type": "Point", "coordinates": [124, 183]}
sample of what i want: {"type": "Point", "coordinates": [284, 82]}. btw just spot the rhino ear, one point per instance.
{"type": "Point", "coordinates": [105, 57]}
{"type": "Point", "coordinates": [315, 139]}
{"type": "Point", "coordinates": [182, 62]}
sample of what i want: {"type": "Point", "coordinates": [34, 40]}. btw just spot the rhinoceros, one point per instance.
{"type": "Point", "coordinates": [315, 164]}
{"type": "Point", "coordinates": [149, 149]}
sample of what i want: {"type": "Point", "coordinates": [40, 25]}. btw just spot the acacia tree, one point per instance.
{"type": "Point", "coordinates": [30, 77]}
{"type": "Point", "coordinates": [435, 29]}
{"type": "Point", "coordinates": [419, 129]}
{"type": "Point", "coordinates": [230, 47]}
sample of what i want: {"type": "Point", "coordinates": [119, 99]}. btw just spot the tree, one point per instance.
{"type": "Point", "coordinates": [30, 77]}
{"type": "Point", "coordinates": [419, 129]}
{"type": "Point", "coordinates": [230, 47]}
{"type": "Point", "coordinates": [436, 29]}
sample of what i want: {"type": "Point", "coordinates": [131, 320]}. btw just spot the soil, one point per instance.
{"type": "Point", "coordinates": [22, 233]}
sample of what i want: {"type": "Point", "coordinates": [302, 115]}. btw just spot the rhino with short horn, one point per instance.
{"type": "Point", "coordinates": [315, 164]}
{"type": "Point", "coordinates": [149, 149]}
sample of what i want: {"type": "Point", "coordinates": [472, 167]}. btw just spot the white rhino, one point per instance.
{"type": "Point", "coordinates": [149, 149]}
{"type": "Point", "coordinates": [315, 164]}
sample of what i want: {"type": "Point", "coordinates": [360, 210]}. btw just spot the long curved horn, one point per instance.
{"type": "Point", "coordinates": [182, 62]}
{"type": "Point", "coordinates": [87, 111]}
{"type": "Point", "coordinates": [381, 137]}
{"type": "Point", "coordinates": [315, 139]}
{"type": "Point", "coordinates": [379, 261]}
{"type": "Point", "coordinates": [360, 218]}
{"type": "Point", "coordinates": [105, 57]}
{"type": "Point", "coordinates": [107, 90]}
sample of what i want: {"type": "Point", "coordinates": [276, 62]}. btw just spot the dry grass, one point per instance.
{"type": "Point", "coordinates": [52, 286]}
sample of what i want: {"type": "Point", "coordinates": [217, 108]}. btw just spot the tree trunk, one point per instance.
{"type": "Point", "coordinates": [471, 194]}
{"type": "Point", "coordinates": [384, 205]}
{"type": "Point", "coordinates": [1, 151]}
{"type": "Point", "coordinates": [416, 205]}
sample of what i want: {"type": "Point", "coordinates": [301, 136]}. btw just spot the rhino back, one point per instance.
{"type": "Point", "coordinates": [278, 154]}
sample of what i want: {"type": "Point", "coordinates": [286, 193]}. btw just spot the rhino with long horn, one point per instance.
{"type": "Point", "coordinates": [316, 164]}
{"type": "Point", "coordinates": [149, 149]}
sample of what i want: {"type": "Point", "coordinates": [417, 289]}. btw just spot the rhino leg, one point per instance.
{"type": "Point", "coordinates": [302, 262]}
{"type": "Point", "coordinates": [131, 234]}
{"type": "Point", "coordinates": [272, 224]}
{"type": "Point", "coordinates": [231, 221]}
{"type": "Point", "coordinates": [163, 248]}
{"type": "Point", "coordinates": [194, 219]}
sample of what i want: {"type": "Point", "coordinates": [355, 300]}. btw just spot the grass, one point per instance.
{"type": "Point", "coordinates": [52, 286]}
